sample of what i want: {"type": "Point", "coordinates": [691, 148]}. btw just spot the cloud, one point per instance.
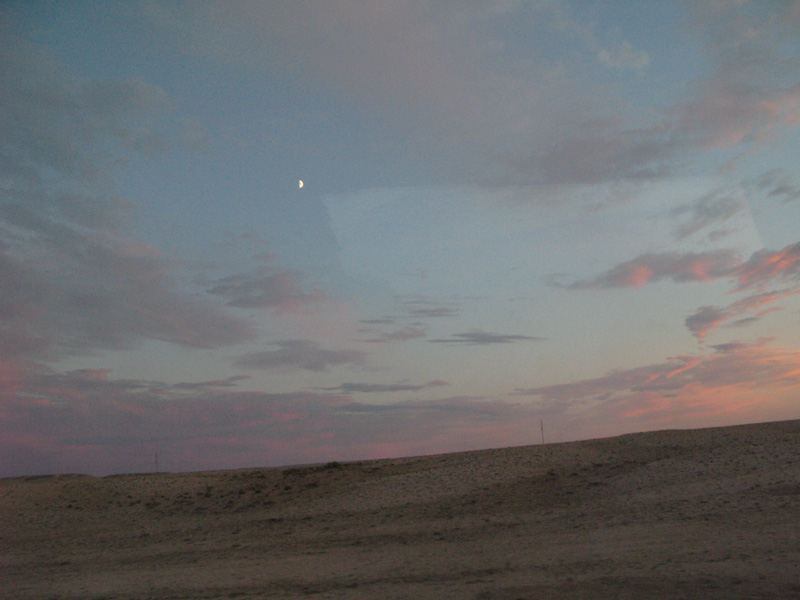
{"type": "Point", "coordinates": [373, 388]}
{"type": "Point", "coordinates": [778, 184]}
{"type": "Point", "coordinates": [765, 267]}
{"type": "Point", "coordinates": [613, 52]}
{"type": "Point", "coordinates": [708, 318]}
{"type": "Point", "coordinates": [762, 269]}
{"type": "Point", "coordinates": [78, 129]}
{"type": "Point", "coordinates": [442, 73]}
{"type": "Point", "coordinates": [73, 280]}
{"type": "Point", "coordinates": [102, 426]}
{"type": "Point", "coordinates": [624, 57]}
{"type": "Point", "coordinates": [428, 309]}
{"type": "Point", "coordinates": [414, 311]}
{"type": "Point", "coordinates": [398, 335]}
{"type": "Point", "coordinates": [278, 291]}
{"type": "Point", "coordinates": [299, 354]}
{"type": "Point", "coordinates": [402, 56]}
{"type": "Point", "coordinates": [228, 382]}
{"type": "Point", "coordinates": [590, 149]}
{"type": "Point", "coordinates": [88, 424]}
{"type": "Point", "coordinates": [481, 338]}
{"type": "Point", "coordinates": [730, 347]}
{"type": "Point", "coordinates": [748, 96]}
{"type": "Point", "coordinates": [86, 421]}
{"type": "Point", "coordinates": [433, 313]}
{"type": "Point", "coordinates": [705, 319]}
{"type": "Point", "coordinates": [733, 380]}
{"type": "Point", "coordinates": [78, 291]}
{"type": "Point", "coordinates": [713, 209]}
{"type": "Point", "coordinates": [680, 267]}
{"type": "Point", "coordinates": [382, 321]}
{"type": "Point", "coordinates": [752, 95]}
{"type": "Point", "coordinates": [731, 113]}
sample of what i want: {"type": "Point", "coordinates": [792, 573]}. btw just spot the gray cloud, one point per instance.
{"type": "Point", "coordinates": [398, 335]}
{"type": "Point", "coordinates": [451, 83]}
{"type": "Point", "coordinates": [731, 347]}
{"type": "Point", "coordinates": [778, 184]}
{"type": "Point", "coordinates": [429, 309]}
{"type": "Point", "coordinates": [78, 129]}
{"type": "Point", "coordinates": [624, 57]}
{"type": "Point", "coordinates": [748, 97]}
{"type": "Point", "coordinates": [481, 338]}
{"type": "Point", "coordinates": [299, 354]}
{"type": "Point", "coordinates": [414, 312]}
{"type": "Point", "coordinates": [73, 282]}
{"type": "Point", "coordinates": [279, 291]}
{"type": "Point", "coordinates": [433, 313]}
{"type": "Point", "coordinates": [612, 51]}
{"type": "Point", "coordinates": [228, 382]}
{"type": "Point", "coordinates": [595, 151]}
{"type": "Point", "coordinates": [712, 209]}
{"type": "Point", "coordinates": [705, 319]}
{"type": "Point", "coordinates": [372, 388]}
{"type": "Point", "coordinates": [383, 321]}
{"type": "Point", "coordinates": [746, 322]}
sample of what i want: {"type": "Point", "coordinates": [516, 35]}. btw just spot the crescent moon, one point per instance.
{"type": "Point", "coordinates": [300, 183]}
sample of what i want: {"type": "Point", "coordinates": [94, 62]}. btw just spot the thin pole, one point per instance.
{"type": "Point", "coordinates": [541, 426]}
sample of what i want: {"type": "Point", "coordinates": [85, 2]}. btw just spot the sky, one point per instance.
{"type": "Point", "coordinates": [521, 220]}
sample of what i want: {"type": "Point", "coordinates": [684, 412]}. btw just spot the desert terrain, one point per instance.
{"type": "Point", "coordinates": [707, 513]}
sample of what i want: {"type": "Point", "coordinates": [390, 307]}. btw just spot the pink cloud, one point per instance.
{"type": "Point", "coordinates": [766, 266]}
{"type": "Point", "coordinates": [679, 267]}
{"type": "Point", "coordinates": [85, 421]}
{"type": "Point", "coordinates": [762, 269]}
{"type": "Point", "coordinates": [749, 97]}
{"type": "Point", "coordinates": [73, 423]}
{"type": "Point", "coordinates": [708, 318]}
{"type": "Point", "coordinates": [736, 382]}
{"type": "Point", "coordinates": [730, 112]}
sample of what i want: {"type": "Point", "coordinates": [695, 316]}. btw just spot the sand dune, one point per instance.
{"type": "Point", "coordinates": [711, 513]}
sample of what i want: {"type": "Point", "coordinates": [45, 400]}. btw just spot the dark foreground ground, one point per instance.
{"type": "Point", "coordinates": [711, 514]}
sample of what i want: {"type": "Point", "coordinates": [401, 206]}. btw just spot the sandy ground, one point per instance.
{"type": "Point", "coordinates": [711, 513]}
